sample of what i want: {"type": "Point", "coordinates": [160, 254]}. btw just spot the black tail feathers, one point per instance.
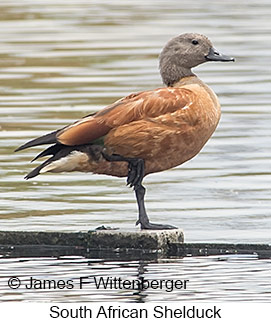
{"type": "Point", "coordinates": [36, 171]}
{"type": "Point", "coordinates": [50, 138]}
{"type": "Point", "coordinates": [59, 151]}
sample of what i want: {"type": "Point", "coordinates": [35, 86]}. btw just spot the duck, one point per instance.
{"type": "Point", "coordinates": [145, 132]}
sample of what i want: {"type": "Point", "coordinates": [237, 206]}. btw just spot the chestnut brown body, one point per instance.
{"type": "Point", "coordinates": [166, 127]}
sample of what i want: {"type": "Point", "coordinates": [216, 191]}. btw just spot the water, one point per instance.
{"type": "Point", "coordinates": [62, 60]}
{"type": "Point", "coordinates": [208, 279]}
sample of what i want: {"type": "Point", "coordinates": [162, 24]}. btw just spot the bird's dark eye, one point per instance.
{"type": "Point", "coordinates": [195, 42]}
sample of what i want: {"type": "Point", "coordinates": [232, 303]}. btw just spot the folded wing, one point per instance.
{"type": "Point", "coordinates": [143, 105]}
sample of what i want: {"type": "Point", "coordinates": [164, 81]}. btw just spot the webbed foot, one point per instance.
{"type": "Point", "coordinates": [155, 226]}
{"type": "Point", "coordinates": [135, 173]}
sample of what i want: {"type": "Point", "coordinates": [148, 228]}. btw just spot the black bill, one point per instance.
{"type": "Point", "coordinates": [214, 55]}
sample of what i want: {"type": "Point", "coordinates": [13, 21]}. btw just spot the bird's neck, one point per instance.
{"type": "Point", "coordinates": [174, 74]}
{"type": "Point", "coordinates": [187, 80]}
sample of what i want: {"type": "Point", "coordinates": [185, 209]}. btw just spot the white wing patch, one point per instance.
{"type": "Point", "coordinates": [72, 162]}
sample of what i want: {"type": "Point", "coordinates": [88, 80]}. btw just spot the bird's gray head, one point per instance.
{"type": "Point", "coordinates": [184, 52]}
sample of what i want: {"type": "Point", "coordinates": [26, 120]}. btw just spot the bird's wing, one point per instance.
{"type": "Point", "coordinates": [149, 104]}
{"type": "Point", "coordinates": [137, 106]}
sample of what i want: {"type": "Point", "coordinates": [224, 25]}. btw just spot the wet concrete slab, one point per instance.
{"type": "Point", "coordinates": [156, 240]}
{"type": "Point", "coordinates": [116, 244]}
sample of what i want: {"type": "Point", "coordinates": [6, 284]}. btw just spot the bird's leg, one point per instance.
{"type": "Point", "coordinates": [134, 179]}
{"type": "Point", "coordinates": [143, 218]}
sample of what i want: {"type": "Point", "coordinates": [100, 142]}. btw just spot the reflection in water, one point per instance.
{"type": "Point", "coordinates": [207, 278]}
{"type": "Point", "coordinates": [62, 60]}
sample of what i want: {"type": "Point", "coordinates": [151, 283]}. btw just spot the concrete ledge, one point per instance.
{"type": "Point", "coordinates": [216, 249]}
{"type": "Point", "coordinates": [159, 240]}
{"type": "Point", "coordinates": [114, 244]}
{"type": "Point", "coordinates": [146, 239]}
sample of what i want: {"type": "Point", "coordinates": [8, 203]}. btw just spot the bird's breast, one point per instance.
{"type": "Point", "coordinates": [188, 131]}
